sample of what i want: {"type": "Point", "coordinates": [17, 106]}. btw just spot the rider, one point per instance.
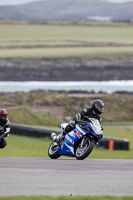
{"type": "Point", "coordinates": [95, 111]}
{"type": "Point", "coordinates": [4, 127]}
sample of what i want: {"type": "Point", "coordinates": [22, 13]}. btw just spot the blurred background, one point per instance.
{"type": "Point", "coordinates": [57, 56]}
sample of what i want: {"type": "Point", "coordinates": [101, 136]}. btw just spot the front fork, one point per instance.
{"type": "Point", "coordinates": [84, 141]}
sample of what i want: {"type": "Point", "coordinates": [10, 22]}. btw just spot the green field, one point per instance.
{"type": "Point", "coordinates": [37, 40]}
{"type": "Point", "coordinates": [66, 198]}
{"type": "Point", "coordinates": [21, 146]}
{"type": "Point", "coordinates": [65, 52]}
{"type": "Point", "coordinates": [29, 33]}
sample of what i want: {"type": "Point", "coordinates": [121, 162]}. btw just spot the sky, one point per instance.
{"type": "Point", "coordinates": [17, 2]}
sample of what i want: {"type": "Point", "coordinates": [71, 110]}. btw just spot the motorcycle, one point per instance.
{"type": "Point", "coordinates": [79, 142]}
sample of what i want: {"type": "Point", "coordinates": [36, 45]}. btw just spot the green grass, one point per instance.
{"type": "Point", "coordinates": [28, 117]}
{"type": "Point", "coordinates": [104, 38]}
{"type": "Point", "coordinates": [28, 32]}
{"type": "Point", "coordinates": [69, 107]}
{"type": "Point", "coordinates": [66, 198]}
{"type": "Point", "coordinates": [65, 52]}
{"type": "Point", "coordinates": [21, 146]}
{"type": "Point", "coordinates": [115, 133]}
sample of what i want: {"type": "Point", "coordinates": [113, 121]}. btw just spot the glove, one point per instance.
{"type": "Point", "coordinates": [86, 118]}
{"type": "Point", "coordinates": [77, 118]}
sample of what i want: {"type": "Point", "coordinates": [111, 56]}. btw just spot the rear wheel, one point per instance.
{"type": "Point", "coordinates": [53, 151]}
{"type": "Point", "coordinates": [82, 151]}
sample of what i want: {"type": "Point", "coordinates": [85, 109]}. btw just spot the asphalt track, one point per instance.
{"type": "Point", "coordinates": [44, 176]}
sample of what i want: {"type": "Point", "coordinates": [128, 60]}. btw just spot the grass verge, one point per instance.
{"type": "Point", "coordinates": [66, 198]}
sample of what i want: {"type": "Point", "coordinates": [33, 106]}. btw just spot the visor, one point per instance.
{"type": "Point", "coordinates": [100, 108]}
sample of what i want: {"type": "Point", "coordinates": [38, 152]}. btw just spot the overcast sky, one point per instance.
{"type": "Point", "coordinates": [15, 2]}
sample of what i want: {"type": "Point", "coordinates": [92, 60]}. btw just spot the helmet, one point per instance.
{"type": "Point", "coordinates": [98, 106]}
{"type": "Point", "coordinates": [3, 114]}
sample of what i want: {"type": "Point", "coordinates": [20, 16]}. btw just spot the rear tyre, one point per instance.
{"type": "Point", "coordinates": [53, 151]}
{"type": "Point", "coordinates": [81, 152]}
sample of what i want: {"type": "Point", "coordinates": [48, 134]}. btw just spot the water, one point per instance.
{"type": "Point", "coordinates": [96, 86]}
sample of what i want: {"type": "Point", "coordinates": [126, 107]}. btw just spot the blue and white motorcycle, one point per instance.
{"type": "Point", "coordinates": [78, 143]}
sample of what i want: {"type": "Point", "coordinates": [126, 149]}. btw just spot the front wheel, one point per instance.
{"type": "Point", "coordinates": [82, 151]}
{"type": "Point", "coordinates": [53, 151]}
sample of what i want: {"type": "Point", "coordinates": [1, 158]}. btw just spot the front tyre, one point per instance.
{"type": "Point", "coordinates": [53, 151]}
{"type": "Point", "coordinates": [81, 152]}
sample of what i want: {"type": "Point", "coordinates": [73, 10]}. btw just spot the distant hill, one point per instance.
{"type": "Point", "coordinates": [68, 9]}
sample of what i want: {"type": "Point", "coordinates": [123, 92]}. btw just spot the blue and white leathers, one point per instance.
{"type": "Point", "coordinates": [92, 128]}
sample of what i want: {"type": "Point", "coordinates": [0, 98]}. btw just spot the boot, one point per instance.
{"type": "Point", "coordinates": [53, 136]}
{"type": "Point", "coordinates": [61, 136]}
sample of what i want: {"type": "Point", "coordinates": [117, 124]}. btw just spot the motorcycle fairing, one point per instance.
{"type": "Point", "coordinates": [70, 139]}
{"type": "Point", "coordinates": [94, 128]}
{"type": "Point", "coordinates": [63, 125]}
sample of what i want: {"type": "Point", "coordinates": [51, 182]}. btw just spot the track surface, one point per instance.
{"type": "Point", "coordinates": [44, 176]}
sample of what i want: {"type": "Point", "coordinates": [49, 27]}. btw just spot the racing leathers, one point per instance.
{"type": "Point", "coordinates": [4, 131]}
